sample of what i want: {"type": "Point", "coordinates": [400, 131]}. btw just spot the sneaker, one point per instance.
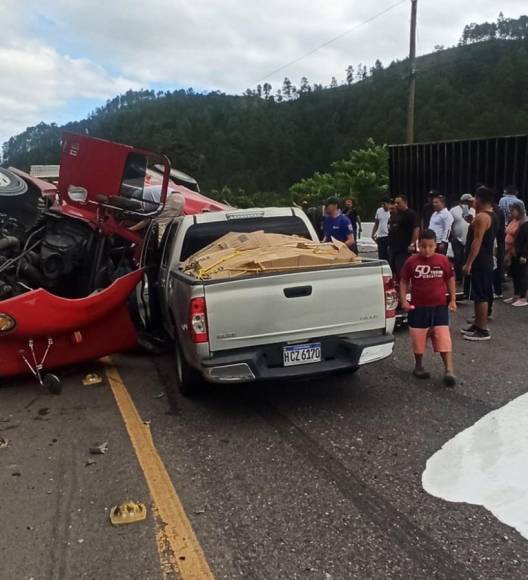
{"type": "Point", "coordinates": [421, 374]}
{"type": "Point", "coordinates": [510, 300]}
{"type": "Point", "coordinates": [450, 380]}
{"type": "Point", "coordinates": [478, 335]}
{"type": "Point", "coordinates": [469, 330]}
{"type": "Point", "coordinates": [520, 302]}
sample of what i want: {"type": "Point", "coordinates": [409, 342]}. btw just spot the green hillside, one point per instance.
{"type": "Point", "coordinates": [268, 142]}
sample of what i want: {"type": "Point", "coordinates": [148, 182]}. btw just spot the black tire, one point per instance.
{"type": "Point", "coordinates": [52, 383]}
{"type": "Point", "coordinates": [189, 381]}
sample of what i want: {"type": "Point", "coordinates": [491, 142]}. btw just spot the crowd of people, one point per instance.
{"type": "Point", "coordinates": [476, 244]}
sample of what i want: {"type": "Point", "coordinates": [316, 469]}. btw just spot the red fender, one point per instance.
{"type": "Point", "coordinates": [82, 329]}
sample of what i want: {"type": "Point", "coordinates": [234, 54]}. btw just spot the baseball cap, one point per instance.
{"type": "Point", "coordinates": [466, 197]}
{"type": "Point", "coordinates": [332, 200]}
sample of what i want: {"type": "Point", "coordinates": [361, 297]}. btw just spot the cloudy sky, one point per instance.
{"type": "Point", "coordinates": [61, 58]}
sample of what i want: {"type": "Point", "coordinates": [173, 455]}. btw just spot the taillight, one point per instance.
{"type": "Point", "coordinates": [391, 297]}
{"type": "Point", "coordinates": [198, 321]}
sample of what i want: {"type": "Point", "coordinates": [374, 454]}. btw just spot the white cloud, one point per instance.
{"type": "Point", "coordinates": [36, 80]}
{"type": "Point", "coordinates": [202, 43]}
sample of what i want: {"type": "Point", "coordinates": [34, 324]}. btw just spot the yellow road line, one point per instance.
{"type": "Point", "coordinates": [176, 532]}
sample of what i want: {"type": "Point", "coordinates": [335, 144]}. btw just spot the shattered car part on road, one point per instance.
{"type": "Point", "coordinates": [128, 512]}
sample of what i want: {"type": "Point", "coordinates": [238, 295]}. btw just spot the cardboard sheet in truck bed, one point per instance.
{"type": "Point", "coordinates": [246, 254]}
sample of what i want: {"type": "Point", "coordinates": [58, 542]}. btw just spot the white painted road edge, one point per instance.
{"type": "Point", "coordinates": [487, 465]}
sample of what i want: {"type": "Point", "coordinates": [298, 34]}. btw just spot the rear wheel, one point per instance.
{"type": "Point", "coordinates": [189, 381]}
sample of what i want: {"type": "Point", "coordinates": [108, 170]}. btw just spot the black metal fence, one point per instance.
{"type": "Point", "coordinates": [456, 167]}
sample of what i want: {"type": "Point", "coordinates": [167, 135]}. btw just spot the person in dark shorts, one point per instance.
{"type": "Point", "coordinates": [430, 276]}
{"type": "Point", "coordinates": [403, 234]}
{"type": "Point", "coordinates": [352, 214]}
{"type": "Point", "coordinates": [380, 231]}
{"type": "Point", "coordinates": [479, 263]}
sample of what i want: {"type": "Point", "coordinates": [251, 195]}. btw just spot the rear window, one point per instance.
{"type": "Point", "coordinates": [200, 235]}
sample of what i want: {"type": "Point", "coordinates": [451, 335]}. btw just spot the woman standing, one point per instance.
{"type": "Point", "coordinates": [515, 250]}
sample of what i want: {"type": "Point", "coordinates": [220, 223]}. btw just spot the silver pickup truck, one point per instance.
{"type": "Point", "coordinates": [272, 326]}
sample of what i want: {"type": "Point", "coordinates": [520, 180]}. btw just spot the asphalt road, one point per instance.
{"type": "Point", "coordinates": [317, 480]}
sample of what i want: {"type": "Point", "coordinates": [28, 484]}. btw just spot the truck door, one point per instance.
{"type": "Point", "coordinates": [165, 284]}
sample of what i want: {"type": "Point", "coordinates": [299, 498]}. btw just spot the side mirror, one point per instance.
{"type": "Point", "coordinates": [77, 194]}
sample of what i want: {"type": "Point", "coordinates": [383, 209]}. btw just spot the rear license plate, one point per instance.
{"type": "Point", "coordinates": [301, 354]}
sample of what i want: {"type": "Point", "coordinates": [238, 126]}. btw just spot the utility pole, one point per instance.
{"type": "Point", "coordinates": [412, 75]}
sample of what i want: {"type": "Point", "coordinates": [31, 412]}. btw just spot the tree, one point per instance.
{"type": "Point", "coordinates": [359, 72]}
{"type": "Point", "coordinates": [333, 83]}
{"type": "Point", "coordinates": [377, 68]}
{"type": "Point", "coordinates": [363, 175]}
{"type": "Point", "coordinates": [267, 90]}
{"type": "Point", "coordinates": [287, 88]}
{"type": "Point", "coordinates": [305, 86]}
{"type": "Point", "coordinates": [349, 74]}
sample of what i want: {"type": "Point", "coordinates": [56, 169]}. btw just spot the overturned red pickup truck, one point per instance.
{"type": "Point", "coordinates": [70, 259]}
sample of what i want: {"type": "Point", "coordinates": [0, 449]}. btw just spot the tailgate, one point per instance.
{"type": "Point", "coordinates": [295, 307]}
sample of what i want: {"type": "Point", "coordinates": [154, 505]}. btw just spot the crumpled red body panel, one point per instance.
{"type": "Point", "coordinates": [81, 329]}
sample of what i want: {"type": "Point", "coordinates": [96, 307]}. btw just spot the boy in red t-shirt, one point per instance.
{"type": "Point", "coordinates": [430, 276]}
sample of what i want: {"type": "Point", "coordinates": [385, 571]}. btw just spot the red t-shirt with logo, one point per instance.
{"type": "Point", "coordinates": [428, 278]}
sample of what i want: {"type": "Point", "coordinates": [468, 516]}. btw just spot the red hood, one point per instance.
{"type": "Point", "coordinates": [194, 202]}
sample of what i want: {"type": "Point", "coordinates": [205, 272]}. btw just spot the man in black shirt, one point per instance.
{"type": "Point", "coordinates": [403, 234]}
{"type": "Point", "coordinates": [479, 263]}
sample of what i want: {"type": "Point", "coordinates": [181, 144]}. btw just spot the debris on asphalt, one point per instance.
{"type": "Point", "coordinates": [43, 411]}
{"type": "Point", "coordinates": [92, 379]}
{"type": "Point", "coordinates": [128, 512]}
{"type": "Point", "coordinates": [99, 449]}
{"type": "Point", "coordinates": [16, 474]}
{"type": "Point", "coordinates": [3, 442]}
{"type": "Point", "coordinates": [90, 462]}
{"type": "Point", "coordinates": [199, 511]}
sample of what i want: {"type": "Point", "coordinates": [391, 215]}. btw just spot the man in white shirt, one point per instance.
{"type": "Point", "coordinates": [380, 232]}
{"type": "Point", "coordinates": [460, 227]}
{"type": "Point", "coordinates": [441, 222]}
{"type": "Point", "coordinates": [173, 208]}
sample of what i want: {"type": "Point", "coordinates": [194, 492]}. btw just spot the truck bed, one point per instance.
{"type": "Point", "coordinates": [293, 307]}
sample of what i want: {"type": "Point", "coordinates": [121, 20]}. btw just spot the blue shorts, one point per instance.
{"type": "Point", "coordinates": [430, 322]}
{"type": "Point", "coordinates": [428, 316]}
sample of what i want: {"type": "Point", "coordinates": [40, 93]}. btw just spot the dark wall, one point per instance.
{"type": "Point", "coordinates": [456, 167]}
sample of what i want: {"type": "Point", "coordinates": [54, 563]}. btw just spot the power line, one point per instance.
{"type": "Point", "coordinates": [310, 52]}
